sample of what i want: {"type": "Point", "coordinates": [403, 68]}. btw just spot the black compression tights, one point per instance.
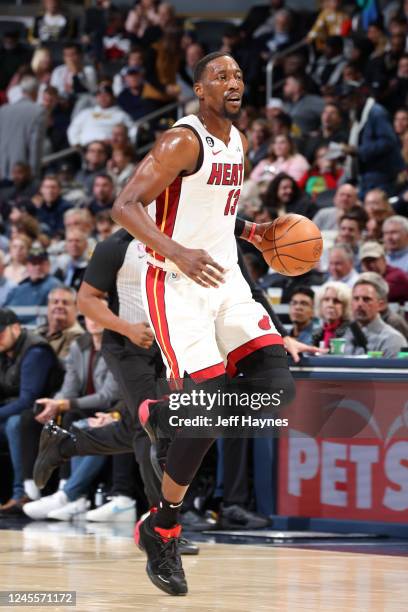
{"type": "Point", "coordinates": [268, 366]}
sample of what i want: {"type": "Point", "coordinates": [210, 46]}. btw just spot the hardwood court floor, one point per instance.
{"type": "Point", "coordinates": [108, 575]}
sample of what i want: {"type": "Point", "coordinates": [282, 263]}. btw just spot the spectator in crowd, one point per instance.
{"type": "Point", "coordinates": [185, 79]}
{"type": "Point", "coordinates": [134, 98]}
{"type": "Point", "coordinates": [104, 225]}
{"type": "Point", "coordinates": [58, 114]}
{"type": "Point", "coordinates": [22, 188]}
{"type": "Point", "coordinates": [331, 21]}
{"type": "Point", "coordinates": [372, 145]}
{"type": "Point", "coordinates": [22, 130]}
{"type": "Point", "coordinates": [400, 122]}
{"type": "Point", "coordinates": [345, 198]}
{"type": "Point", "coordinates": [34, 290]}
{"type": "Point", "coordinates": [120, 136]}
{"type": "Point", "coordinates": [282, 157]}
{"type": "Point", "coordinates": [103, 194]}
{"type": "Point", "coordinates": [13, 55]}
{"type": "Point", "coordinates": [284, 196]}
{"type": "Point", "coordinates": [115, 42]}
{"type": "Point", "coordinates": [144, 15]}
{"type": "Point", "coordinates": [331, 129]}
{"type": "Point", "coordinates": [366, 302]}
{"type": "Point", "coordinates": [378, 208]}
{"type": "Point", "coordinates": [97, 123]}
{"type": "Point", "coordinates": [42, 65]}
{"type": "Point", "coordinates": [121, 166]}
{"type": "Point", "coordinates": [94, 162]}
{"type": "Point", "coordinates": [350, 232]}
{"type": "Point", "coordinates": [73, 78]}
{"type": "Point", "coordinates": [341, 265]}
{"type": "Point", "coordinates": [372, 257]}
{"type": "Point", "coordinates": [395, 236]}
{"type": "Point", "coordinates": [62, 327]}
{"type": "Point", "coordinates": [389, 316]}
{"type": "Point", "coordinates": [51, 205]}
{"type": "Point", "coordinates": [135, 59]}
{"type": "Point", "coordinates": [261, 19]}
{"type": "Point", "coordinates": [74, 266]}
{"type": "Point", "coordinates": [304, 108]}
{"type": "Point", "coordinates": [301, 310]}
{"type": "Point", "coordinates": [88, 388]}
{"type": "Point", "coordinates": [6, 285]}
{"type": "Point", "coordinates": [16, 270]}
{"type": "Point", "coordinates": [329, 66]}
{"type": "Point", "coordinates": [258, 141]}
{"type": "Point", "coordinates": [53, 24]}
{"type": "Point", "coordinates": [322, 176]}
{"type": "Point", "coordinates": [80, 218]}
{"type": "Point", "coordinates": [28, 369]}
{"type": "Point", "coordinates": [334, 309]}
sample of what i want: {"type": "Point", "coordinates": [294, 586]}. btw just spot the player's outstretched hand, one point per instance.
{"type": "Point", "coordinates": [200, 267]}
{"type": "Point", "coordinates": [140, 334]}
{"type": "Point", "coordinates": [294, 347]}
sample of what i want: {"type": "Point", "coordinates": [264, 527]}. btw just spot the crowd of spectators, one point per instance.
{"type": "Point", "coordinates": [331, 143]}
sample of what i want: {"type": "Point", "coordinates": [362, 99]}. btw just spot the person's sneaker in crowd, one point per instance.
{"type": "Point", "coordinates": [39, 509]}
{"type": "Point", "coordinates": [13, 507]}
{"type": "Point", "coordinates": [120, 509]}
{"type": "Point", "coordinates": [49, 454]}
{"type": "Point", "coordinates": [186, 547]}
{"type": "Point", "coordinates": [161, 546]}
{"type": "Point", "coordinates": [31, 490]}
{"type": "Point", "coordinates": [193, 521]}
{"type": "Point", "coordinates": [236, 517]}
{"type": "Point", "coordinates": [71, 510]}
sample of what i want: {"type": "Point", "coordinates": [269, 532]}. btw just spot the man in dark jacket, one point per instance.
{"type": "Point", "coordinates": [29, 369]}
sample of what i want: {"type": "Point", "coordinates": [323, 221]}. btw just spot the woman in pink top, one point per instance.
{"type": "Point", "coordinates": [282, 157]}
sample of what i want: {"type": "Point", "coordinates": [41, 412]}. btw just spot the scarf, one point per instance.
{"type": "Point", "coordinates": [329, 332]}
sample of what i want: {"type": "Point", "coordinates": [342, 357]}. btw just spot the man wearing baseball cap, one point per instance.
{"type": "Point", "coordinates": [29, 369]}
{"type": "Point", "coordinates": [372, 257]}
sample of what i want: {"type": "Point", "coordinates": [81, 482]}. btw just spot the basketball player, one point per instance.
{"type": "Point", "coordinates": [200, 307]}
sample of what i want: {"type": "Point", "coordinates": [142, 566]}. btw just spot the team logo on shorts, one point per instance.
{"type": "Point", "coordinates": [210, 141]}
{"type": "Point", "coordinates": [264, 323]}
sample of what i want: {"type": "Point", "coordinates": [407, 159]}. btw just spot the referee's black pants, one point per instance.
{"type": "Point", "coordinates": [139, 373]}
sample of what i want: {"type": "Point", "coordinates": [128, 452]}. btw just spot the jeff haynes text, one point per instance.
{"type": "Point", "coordinates": [231, 421]}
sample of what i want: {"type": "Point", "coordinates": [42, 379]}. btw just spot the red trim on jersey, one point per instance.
{"type": "Point", "coordinates": [250, 347]}
{"type": "Point", "coordinates": [207, 373]}
{"type": "Point", "coordinates": [166, 211]}
{"type": "Point", "coordinates": [155, 278]}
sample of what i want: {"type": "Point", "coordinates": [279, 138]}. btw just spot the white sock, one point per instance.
{"type": "Point", "coordinates": [62, 484]}
{"type": "Point", "coordinates": [31, 490]}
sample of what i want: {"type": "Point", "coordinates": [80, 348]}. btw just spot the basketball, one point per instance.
{"type": "Point", "coordinates": [292, 245]}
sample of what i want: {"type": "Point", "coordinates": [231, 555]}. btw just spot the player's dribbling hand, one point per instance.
{"type": "Point", "coordinates": [259, 232]}
{"type": "Point", "coordinates": [200, 267]}
{"type": "Point", "coordinates": [140, 334]}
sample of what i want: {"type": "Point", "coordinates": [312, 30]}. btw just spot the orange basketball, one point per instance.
{"type": "Point", "coordinates": [292, 245]}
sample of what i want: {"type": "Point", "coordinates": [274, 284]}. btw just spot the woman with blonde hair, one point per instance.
{"type": "Point", "coordinates": [282, 157]}
{"type": "Point", "coordinates": [333, 306]}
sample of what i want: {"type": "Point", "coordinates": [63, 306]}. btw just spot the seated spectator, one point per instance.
{"type": "Point", "coordinates": [72, 190]}
{"type": "Point", "coordinates": [13, 54]}
{"type": "Point", "coordinates": [372, 257]}
{"type": "Point", "coordinates": [350, 230]}
{"type": "Point", "coordinates": [72, 265]}
{"type": "Point", "coordinates": [72, 77]}
{"type": "Point", "coordinates": [329, 66]}
{"type": "Point", "coordinates": [400, 122]}
{"type": "Point", "coordinates": [331, 129]}
{"type": "Point", "coordinates": [51, 205]}
{"type": "Point", "coordinates": [16, 270]}
{"type": "Point", "coordinates": [376, 34]}
{"type": "Point", "coordinates": [390, 317]}
{"type": "Point", "coordinates": [121, 166]}
{"type": "Point", "coordinates": [301, 310]}
{"type": "Point", "coordinates": [341, 265]}
{"type": "Point", "coordinates": [282, 157]}
{"type": "Point", "coordinates": [144, 15]}
{"type": "Point", "coordinates": [62, 327]}
{"type": "Point", "coordinates": [119, 136]}
{"type": "Point", "coordinates": [94, 162]}
{"type": "Point", "coordinates": [398, 87]}
{"type": "Point", "coordinates": [331, 21]}
{"type": "Point", "coordinates": [185, 80]}
{"type": "Point", "coordinates": [103, 194]}
{"type": "Point", "coordinates": [284, 196]}
{"type": "Point", "coordinates": [115, 40]}
{"type": "Point", "coordinates": [25, 225]}
{"type": "Point", "coordinates": [372, 143]}
{"type": "Point", "coordinates": [304, 108]}
{"type": "Point", "coordinates": [53, 24]}
{"type": "Point", "coordinates": [279, 38]}
{"type": "Point", "coordinates": [104, 225]}
{"type": "Point", "coordinates": [323, 175]}
{"type": "Point", "coordinates": [88, 388]}
{"type": "Point", "coordinates": [395, 236]}
{"type": "Point", "coordinates": [28, 369]}
{"type": "Point", "coordinates": [97, 123]}
{"type": "Point", "coordinates": [134, 98]}
{"type": "Point", "coordinates": [289, 284]}
{"type": "Point", "coordinates": [34, 290]}
{"type": "Point", "coordinates": [6, 285]}
{"type": "Point", "coordinates": [258, 141]}
{"type": "Point", "coordinates": [22, 188]}
{"type": "Point", "coordinates": [345, 198]}
{"type": "Point", "coordinates": [334, 309]}
{"type": "Point", "coordinates": [58, 116]}
{"type": "Point", "coordinates": [378, 208]}
{"type": "Point", "coordinates": [134, 60]}
{"type": "Point", "coordinates": [376, 335]}
{"type": "Point", "coordinates": [260, 19]}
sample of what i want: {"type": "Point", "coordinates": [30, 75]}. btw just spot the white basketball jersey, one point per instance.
{"type": "Point", "coordinates": [199, 210]}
